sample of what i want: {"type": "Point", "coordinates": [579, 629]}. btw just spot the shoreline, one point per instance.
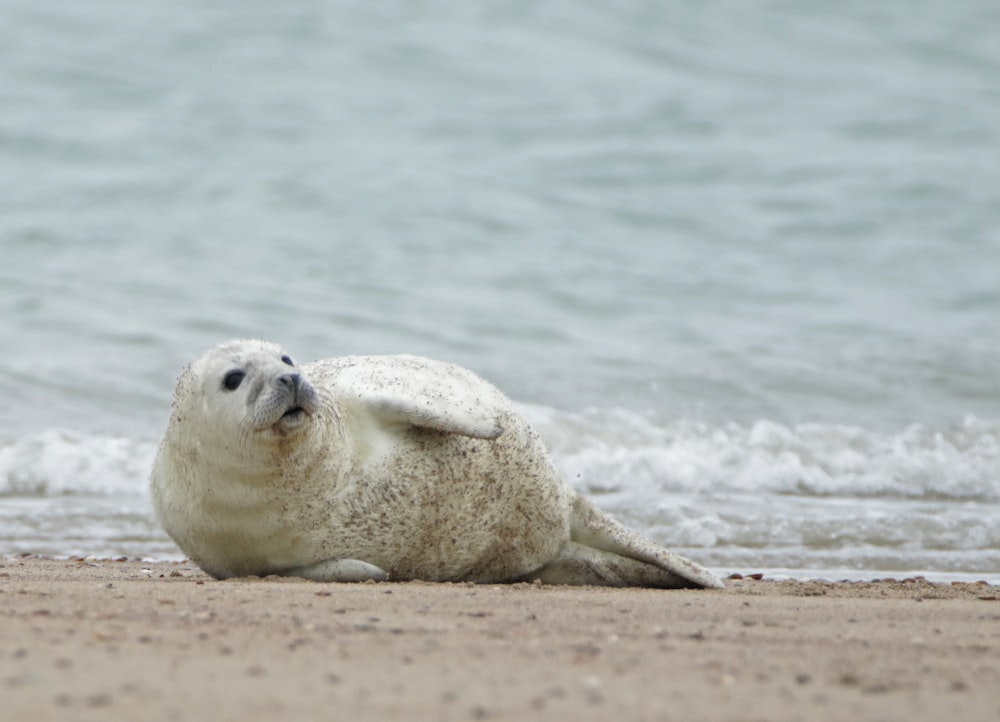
{"type": "Point", "coordinates": [161, 640]}
{"type": "Point", "coordinates": [772, 574]}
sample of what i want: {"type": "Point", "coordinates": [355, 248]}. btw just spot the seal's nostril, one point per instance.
{"type": "Point", "coordinates": [291, 381]}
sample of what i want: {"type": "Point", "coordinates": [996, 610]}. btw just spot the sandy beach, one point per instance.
{"type": "Point", "coordinates": [85, 639]}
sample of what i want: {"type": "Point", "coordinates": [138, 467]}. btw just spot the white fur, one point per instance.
{"type": "Point", "coordinates": [383, 467]}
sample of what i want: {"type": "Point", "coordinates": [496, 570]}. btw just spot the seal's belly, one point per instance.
{"type": "Point", "coordinates": [448, 507]}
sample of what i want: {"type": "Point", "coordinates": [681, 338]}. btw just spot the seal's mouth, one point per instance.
{"type": "Point", "coordinates": [293, 419]}
{"type": "Point", "coordinates": [296, 408]}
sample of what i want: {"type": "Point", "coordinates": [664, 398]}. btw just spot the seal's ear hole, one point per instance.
{"type": "Point", "coordinates": [233, 380]}
{"type": "Point", "coordinates": [287, 360]}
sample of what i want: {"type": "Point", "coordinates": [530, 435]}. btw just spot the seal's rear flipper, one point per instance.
{"type": "Point", "coordinates": [590, 527]}
{"type": "Point", "coordinates": [579, 564]}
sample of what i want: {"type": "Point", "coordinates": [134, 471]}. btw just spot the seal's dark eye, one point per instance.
{"type": "Point", "coordinates": [233, 380]}
{"type": "Point", "coordinates": [287, 360]}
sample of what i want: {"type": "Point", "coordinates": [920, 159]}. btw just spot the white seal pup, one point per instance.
{"type": "Point", "coordinates": [378, 467]}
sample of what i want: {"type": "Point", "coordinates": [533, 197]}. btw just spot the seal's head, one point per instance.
{"type": "Point", "coordinates": [249, 388]}
{"type": "Point", "coordinates": [244, 418]}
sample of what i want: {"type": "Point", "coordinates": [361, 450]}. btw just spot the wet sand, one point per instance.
{"type": "Point", "coordinates": [92, 639]}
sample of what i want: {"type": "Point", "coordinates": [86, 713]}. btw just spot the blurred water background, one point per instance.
{"type": "Point", "coordinates": [739, 261]}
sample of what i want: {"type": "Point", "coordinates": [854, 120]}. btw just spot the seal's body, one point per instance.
{"type": "Point", "coordinates": [378, 467]}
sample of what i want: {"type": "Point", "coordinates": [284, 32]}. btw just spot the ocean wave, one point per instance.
{"type": "Point", "coordinates": [771, 495]}
{"type": "Point", "coordinates": [618, 451]}
{"type": "Point", "coordinates": [62, 462]}
{"type": "Point", "coordinates": [733, 496]}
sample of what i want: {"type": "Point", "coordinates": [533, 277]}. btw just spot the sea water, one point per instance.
{"type": "Point", "coordinates": [739, 263]}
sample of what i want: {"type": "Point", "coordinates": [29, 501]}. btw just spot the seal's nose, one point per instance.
{"type": "Point", "coordinates": [290, 381]}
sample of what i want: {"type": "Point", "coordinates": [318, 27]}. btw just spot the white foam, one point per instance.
{"type": "Point", "coordinates": [64, 462]}
{"type": "Point", "coordinates": [816, 496]}
{"type": "Point", "coordinates": [613, 451]}
{"type": "Point", "coordinates": [738, 497]}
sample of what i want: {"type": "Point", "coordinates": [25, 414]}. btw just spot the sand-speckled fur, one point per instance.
{"type": "Point", "coordinates": [377, 466]}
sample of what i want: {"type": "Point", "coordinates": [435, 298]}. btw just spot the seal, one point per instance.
{"type": "Point", "coordinates": [378, 467]}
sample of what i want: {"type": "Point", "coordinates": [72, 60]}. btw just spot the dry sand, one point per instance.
{"type": "Point", "coordinates": [126, 640]}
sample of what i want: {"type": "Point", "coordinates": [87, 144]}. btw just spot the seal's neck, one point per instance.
{"type": "Point", "coordinates": [277, 457]}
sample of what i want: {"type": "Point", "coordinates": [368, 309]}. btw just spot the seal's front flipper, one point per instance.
{"type": "Point", "coordinates": [429, 413]}
{"type": "Point", "coordinates": [412, 391]}
{"type": "Point", "coordinates": [590, 527]}
{"type": "Point", "coordinates": [340, 570]}
{"type": "Point", "coordinates": [579, 564]}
